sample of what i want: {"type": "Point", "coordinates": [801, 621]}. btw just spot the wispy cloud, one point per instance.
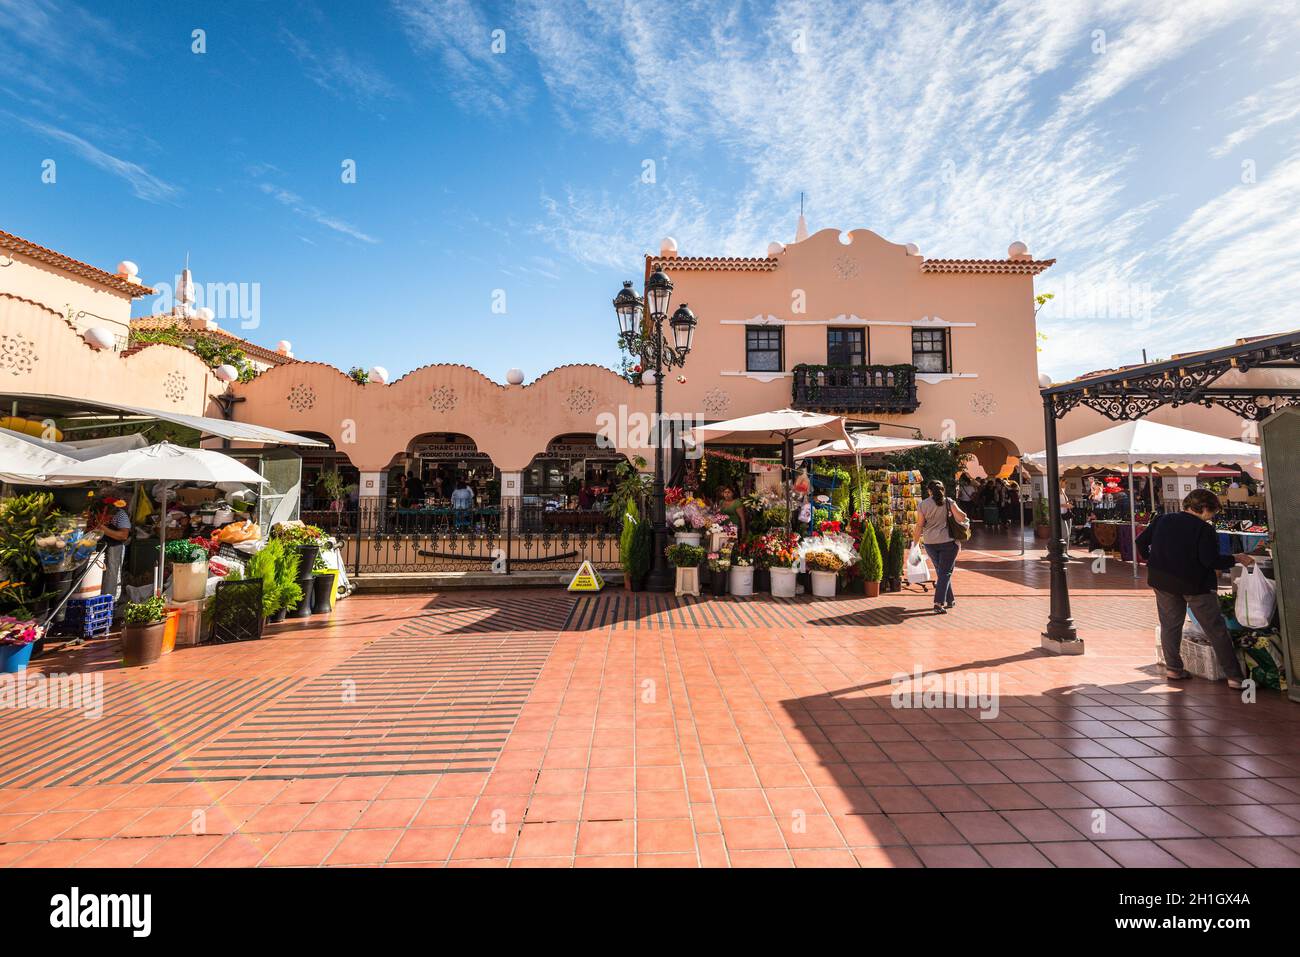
{"type": "Point", "coordinates": [958, 126]}
{"type": "Point", "coordinates": [1278, 104]}
{"type": "Point", "coordinates": [334, 69]}
{"type": "Point", "coordinates": [143, 184]}
{"type": "Point", "coordinates": [461, 36]}
{"type": "Point", "coordinates": [317, 215]}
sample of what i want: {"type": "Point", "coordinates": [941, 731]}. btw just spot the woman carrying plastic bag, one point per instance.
{"type": "Point", "coordinates": [918, 572]}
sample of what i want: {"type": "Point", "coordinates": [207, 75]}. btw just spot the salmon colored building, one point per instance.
{"type": "Point", "coordinates": [842, 322]}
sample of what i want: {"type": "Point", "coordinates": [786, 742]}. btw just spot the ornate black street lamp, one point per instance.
{"type": "Point", "coordinates": [641, 329]}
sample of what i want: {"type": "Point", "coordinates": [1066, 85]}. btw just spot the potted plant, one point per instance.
{"type": "Point", "coordinates": [189, 565]}
{"type": "Point", "coordinates": [873, 566]}
{"type": "Point", "coordinates": [334, 488]}
{"type": "Point", "coordinates": [687, 516]}
{"type": "Point", "coordinates": [18, 636]}
{"type": "Point", "coordinates": [142, 638]}
{"type": "Point", "coordinates": [277, 566]}
{"type": "Point", "coordinates": [894, 559]}
{"type": "Point", "coordinates": [307, 541]}
{"type": "Point", "coordinates": [686, 559]}
{"type": "Point", "coordinates": [720, 570]}
{"type": "Point", "coordinates": [780, 551]}
{"type": "Point", "coordinates": [1042, 519]}
{"type": "Point", "coordinates": [627, 544]}
{"type": "Point", "coordinates": [740, 578]}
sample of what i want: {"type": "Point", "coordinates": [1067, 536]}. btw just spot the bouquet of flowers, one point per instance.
{"type": "Point", "coordinates": [778, 549]}
{"type": "Point", "coordinates": [18, 631]}
{"type": "Point", "coordinates": [742, 555]}
{"type": "Point", "coordinates": [63, 549]}
{"type": "Point", "coordinates": [830, 552]}
{"type": "Point", "coordinates": [720, 561]}
{"type": "Point", "coordinates": [689, 513]}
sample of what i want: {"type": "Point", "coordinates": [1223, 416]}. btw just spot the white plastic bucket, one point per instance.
{"type": "Point", "coordinates": [783, 582]}
{"type": "Point", "coordinates": [823, 584]}
{"type": "Point", "coordinates": [741, 580]}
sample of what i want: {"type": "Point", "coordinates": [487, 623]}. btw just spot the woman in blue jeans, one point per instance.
{"type": "Point", "coordinates": [931, 532]}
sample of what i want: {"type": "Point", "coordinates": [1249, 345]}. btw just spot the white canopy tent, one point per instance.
{"type": "Point", "coordinates": [163, 462]}
{"type": "Point", "coordinates": [1150, 444]}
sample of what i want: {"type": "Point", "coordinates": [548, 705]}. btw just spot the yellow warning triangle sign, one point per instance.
{"type": "Point", "coordinates": [587, 579]}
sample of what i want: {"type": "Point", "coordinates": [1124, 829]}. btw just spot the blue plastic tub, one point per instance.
{"type": "Point", "coordinates": [14, 658]}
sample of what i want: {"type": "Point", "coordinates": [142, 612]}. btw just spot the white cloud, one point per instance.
{"type": "Point", "coordinates": [144, 184]}
{"type": "Point", "coordinates": [1278, 104]}
{"type": "Point", "coordinates": [335, 70]}
{"type": "Point", "coordinates": [317, 215]}
{"type": "Point", "coordinates": [462, 38]}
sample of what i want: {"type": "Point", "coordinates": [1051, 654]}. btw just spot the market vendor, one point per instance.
{"type": "Point", "coordinates": [731, 507]}
{"type": "Point", "coordinates": [108, 517]}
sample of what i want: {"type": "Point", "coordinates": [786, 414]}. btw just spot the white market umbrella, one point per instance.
{"type": "Point", "coordinates": [163, 462]}
{"type": "Point", "coordinates": [1142, 442]}
{"type": "Point", "coordinates": [863, 443]}
{"type": "Point", "coordinates": [31, 460]}
{"type": "Point", "coordinates": [786, 425]}
{"type": "Point", "coordinates": [25, 459]}
{"type": "Point", "coordinates": [783, 424]}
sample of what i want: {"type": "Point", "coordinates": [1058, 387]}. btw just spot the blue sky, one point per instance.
{"type": "Point", "coordinates": [1152, 147]}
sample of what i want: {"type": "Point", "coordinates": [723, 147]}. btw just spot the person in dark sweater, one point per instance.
{"type": "Point", "coordinates": [1183, 564]}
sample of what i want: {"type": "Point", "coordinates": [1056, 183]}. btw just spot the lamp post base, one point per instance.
{"type": "Point", "coordinates": [661, 578]}
{"type": "Point", "coordinates": [1062, 646]}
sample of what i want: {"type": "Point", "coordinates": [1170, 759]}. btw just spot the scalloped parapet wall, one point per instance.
{"type": "Point", "coordinates": [372, 423]}
{"type": "Point", "coordinates": [40, 354]}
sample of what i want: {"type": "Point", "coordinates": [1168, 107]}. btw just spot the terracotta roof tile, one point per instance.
{"type": "Point", "coordinates": [713, 263]}
{"type": "Point", "coordinates": [250, 349]}
{"type": "Point", "coordinates": [31, 250]}
{"type": "Point", "coordinates": [1010, 266]}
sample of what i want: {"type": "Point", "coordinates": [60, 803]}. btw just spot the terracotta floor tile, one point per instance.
{"type": "Point", "coordinates": [950, 855]}
{"type": "Point", "coordinates": [370, 846]}
{"type": "Point", "coordinates": [1012, 855]}
{"type": "Point", "coordinates": [752, 834]}
{"type": "Point", "coordinates": [304, 848]}
{"type": "Point", "coordinates": [598, 838]}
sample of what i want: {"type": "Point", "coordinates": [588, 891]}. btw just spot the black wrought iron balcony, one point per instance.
{"type": "Point", "coordinates": [855, 388]}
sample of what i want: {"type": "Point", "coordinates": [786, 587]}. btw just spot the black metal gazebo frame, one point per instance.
{"type": "Point", "coordinates": [1135, 392]}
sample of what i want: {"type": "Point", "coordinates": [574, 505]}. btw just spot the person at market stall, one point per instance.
{"type": "Point", "coordinates": [415, 489]}
{"type": "Point", "coordinates": [1181, 550]}
{"type": "Point", "coordinates": [931, 533]}
{"type": "Point", "coordinates": [731, 507]}
{"type": "Point", "coordinates": [585, 498]}
{"type": "Point", "coordinates": [114, 525]}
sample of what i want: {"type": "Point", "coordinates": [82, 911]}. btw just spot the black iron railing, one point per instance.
{"type": "Point", "coordinates": [381, 540]}
{"type": "Point", "coordinates": [870, 388]}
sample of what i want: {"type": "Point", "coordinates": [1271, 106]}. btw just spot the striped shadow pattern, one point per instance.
{"type": "Point", "coordinates": [501, 611]}
{"type": "Point", "coordinates": [144, 726]}
{"type": "Point", "coordinates": [408, 704]}
{"type": "Point", "coordinates": [624, 611]}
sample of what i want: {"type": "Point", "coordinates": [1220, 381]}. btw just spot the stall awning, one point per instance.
{"type": "Point", "coordinates": [218, 428]}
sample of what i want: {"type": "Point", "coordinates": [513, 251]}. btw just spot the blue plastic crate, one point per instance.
{"type": "Point", "coordinates": [89, 616]}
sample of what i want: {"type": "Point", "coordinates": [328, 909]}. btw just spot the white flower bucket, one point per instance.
{"type": "Point", "coordinates": [687, 538]}
{"type": "Point", "coordinates": [783, 582]}
{"type": "Point", "coordinates": [823, 584]}
{"type": "Point", "coordinates": [742, 580]}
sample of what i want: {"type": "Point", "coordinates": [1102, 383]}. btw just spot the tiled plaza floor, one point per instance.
{"type": "Point", "coordinates": [532, 728]}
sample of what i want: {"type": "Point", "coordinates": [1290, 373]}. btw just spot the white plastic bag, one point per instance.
{"type": "Point", "coordinates": [1256, 598]}
{"type": "Point", "coordinates": [918, 572]}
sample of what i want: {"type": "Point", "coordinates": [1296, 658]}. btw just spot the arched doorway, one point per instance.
{"type": "Point", "coordinates": [330, 484]}
{"type": "Point", "coordinates": [568, 484]}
